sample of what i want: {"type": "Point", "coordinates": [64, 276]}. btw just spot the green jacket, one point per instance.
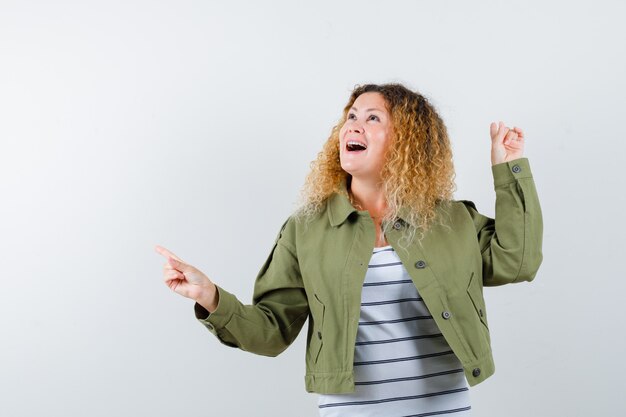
{"type": "Point", "coordinates": [318, 274]}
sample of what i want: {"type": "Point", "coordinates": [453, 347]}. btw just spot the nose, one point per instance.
{"type": "Point", "coordinates": [354, 127]}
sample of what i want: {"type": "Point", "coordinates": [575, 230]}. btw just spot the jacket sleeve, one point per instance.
{"type": "Point", "coordinates": [279, 307]}
{"type": "Point", "coordinates": [511, 243]}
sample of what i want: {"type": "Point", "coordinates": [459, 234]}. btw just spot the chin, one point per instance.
{"type": "Point", "coordinates": [347, 170]}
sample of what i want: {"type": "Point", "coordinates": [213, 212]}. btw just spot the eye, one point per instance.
{"type": "Point", "coordinates": [375, 117]}
{"type": "Point", "coordinates": [351, 116]}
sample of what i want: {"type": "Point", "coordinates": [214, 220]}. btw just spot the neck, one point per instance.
{"type": "Point", "coordinates": [368, 196]}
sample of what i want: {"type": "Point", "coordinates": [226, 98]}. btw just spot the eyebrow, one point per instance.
{"type": "Point", "coordinates": [372, 109]}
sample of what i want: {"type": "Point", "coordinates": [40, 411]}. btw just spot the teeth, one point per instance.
{"type": "Point", "coordinates": [354, 142]}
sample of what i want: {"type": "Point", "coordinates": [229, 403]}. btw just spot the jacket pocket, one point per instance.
{"type": "Point", "coordinates": [474, 290]}
{"type": "Point", "coordinates": [315, 345]}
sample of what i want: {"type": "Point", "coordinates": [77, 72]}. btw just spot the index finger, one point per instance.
{"type": "Point", "coordinates": [502, 130]}
{"type": "Point", "coordinates": [166, 253]}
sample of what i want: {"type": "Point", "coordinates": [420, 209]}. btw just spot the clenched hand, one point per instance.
{"type": "Point", "coordinates": [506, 144]}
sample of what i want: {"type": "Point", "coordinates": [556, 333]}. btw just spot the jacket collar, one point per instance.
{"type": "Point", "coordinates": [339, 206]}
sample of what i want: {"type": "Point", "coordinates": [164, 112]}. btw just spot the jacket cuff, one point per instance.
{"type": "Point", "coordinates": [226, 305]}
{"type": "Point", "coordinates": [511, 171]}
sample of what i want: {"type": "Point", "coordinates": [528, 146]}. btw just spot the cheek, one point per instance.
{"type": "Point", "coordinates": [385, 144]}
{"type": "Point", "coordinates": [381, 136]}
{"type": "Point", "coordinates": [341, 134]}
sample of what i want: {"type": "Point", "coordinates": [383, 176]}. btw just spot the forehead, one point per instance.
{"type": "Point", "coordinates": [370, 100]}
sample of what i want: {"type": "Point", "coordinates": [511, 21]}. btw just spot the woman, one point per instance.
{"type": "Point", "coordinates": [397, 320]}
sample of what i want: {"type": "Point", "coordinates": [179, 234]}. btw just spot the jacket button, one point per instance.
{"type": "Point", "coordinates": [516, 168]}
{"type": "Point", "coordinates": [476, 372]}
{"type": "Point", "coordinates": [446, 315]}
{"type": "Point", "coordinates": [480, 311]}
{"type": "Point", "coordinates": [420, 264]}
{"type": "Point", "coordinates": [397, 225]}
{"type": "Point", "coordinates": [319, 335]}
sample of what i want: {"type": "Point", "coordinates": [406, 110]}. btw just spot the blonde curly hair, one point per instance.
{"type": "Point", "coordinates": [418, 173]}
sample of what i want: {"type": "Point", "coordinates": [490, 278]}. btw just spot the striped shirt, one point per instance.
{"type": "Point", "coordinates": [403, 366]}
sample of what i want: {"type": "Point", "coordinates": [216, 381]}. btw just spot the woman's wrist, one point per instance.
{"type": "Point", "coordinates": [209, 298]}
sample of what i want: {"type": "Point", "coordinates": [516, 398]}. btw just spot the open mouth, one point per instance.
{"type": "Point", "coordinates": [354, 146]}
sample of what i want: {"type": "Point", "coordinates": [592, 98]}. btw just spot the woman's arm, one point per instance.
{"type": "Point", "coordinates": [279, 309]}
{"type": "Point", "coordinates": [511, 243]}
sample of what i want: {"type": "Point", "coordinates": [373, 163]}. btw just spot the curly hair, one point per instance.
{"type": "Point", "coordinates": [418, 172]}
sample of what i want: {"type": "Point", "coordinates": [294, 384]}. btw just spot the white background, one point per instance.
{"type": "Point", "coordinates": [191, 124]}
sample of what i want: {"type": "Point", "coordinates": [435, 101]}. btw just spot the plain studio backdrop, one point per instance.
{"type": "Point", "coordinates": [192, 124]}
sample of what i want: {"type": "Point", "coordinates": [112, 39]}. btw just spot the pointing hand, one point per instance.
{"type": "Point", "coordinates": [188, 281]}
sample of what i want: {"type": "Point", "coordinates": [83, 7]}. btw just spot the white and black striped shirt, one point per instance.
{"type": "Point", "coordinates": [403, 366]}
